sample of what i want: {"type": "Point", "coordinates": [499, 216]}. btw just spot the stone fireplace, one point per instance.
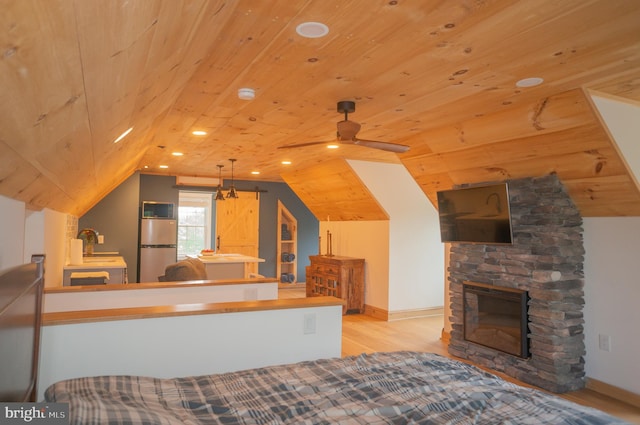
{"type": "Point", "coordinates": [546, 260]}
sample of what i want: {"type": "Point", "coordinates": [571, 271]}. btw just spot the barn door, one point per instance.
{"type": "Point", "coordinates": [237, 226]}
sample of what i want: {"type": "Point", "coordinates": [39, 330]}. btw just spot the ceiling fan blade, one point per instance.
{"type": "Point", "coordinates": [300, 145]}
{"type": "Point", "coordinates": [385, 146]}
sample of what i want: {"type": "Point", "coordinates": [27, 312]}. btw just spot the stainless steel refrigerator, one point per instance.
{"type": "Point", "coordinates": [158, 247]}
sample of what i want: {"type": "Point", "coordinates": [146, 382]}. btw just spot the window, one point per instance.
{"type": "Point", "coordinates": [194, 223]}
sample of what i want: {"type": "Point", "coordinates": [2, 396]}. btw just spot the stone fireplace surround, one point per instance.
{"type": "Point", "coordinates": [546, 259]}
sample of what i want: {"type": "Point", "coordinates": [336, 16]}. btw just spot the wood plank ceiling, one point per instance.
{"type": "Point", "coordinates": [437, 75]}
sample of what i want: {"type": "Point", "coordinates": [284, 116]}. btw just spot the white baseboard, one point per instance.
{"type": "Point", "coordinates": [390, 316]}
{"type": "Point", "coordinates": [612, 391]}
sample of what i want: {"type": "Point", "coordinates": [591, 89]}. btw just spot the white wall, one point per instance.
{"type": "Point", "coordinates": [33, 234]}
{"type": "Point", "coordinates": [12, 232]}
{"type": "Point", "coordinates": [416, 255]}
{"type": "Point", "coordinates": [622, 118]}
{"type": "Point", "coordinates": [612, 288]}
{"type": "Point", "coordinates": [24, 233]}
{"type": "Point", "coordinates": [612, 291]}
{"type": "Point", "coordinates": [55, 246]}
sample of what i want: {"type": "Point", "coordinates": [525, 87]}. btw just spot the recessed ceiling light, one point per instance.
{"type": "Point", "coordinates": [312, 29]}
{"type": "Point", "coordinates": [529, 82]}
{"type": "Point", "coordinates": [164, 166]}
{"type": "Point", "coordinates": [199, 133]}
{"type": "Point", "coordinates": [177, 153]}
{"type": "Point", "coordinates": [246, 93]}
{"type": "Point", "coordinates": [255, 172]}
{"type": "Point", "coordinates": [123, 135]}
{"type": "Point", "coordinates": [286, 162]}
{"type": "Point", "coordinates": [332, 146]}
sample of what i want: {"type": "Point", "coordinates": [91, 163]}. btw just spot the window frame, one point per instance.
{"type": "Point", "coordinates": [195, 199]}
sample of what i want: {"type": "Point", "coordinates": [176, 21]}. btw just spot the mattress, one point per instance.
{"type": "Point", "coordinates": [380, 388]}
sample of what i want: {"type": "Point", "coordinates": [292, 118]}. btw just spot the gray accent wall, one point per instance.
{"type": "Point", "coordinates": [116, 217]}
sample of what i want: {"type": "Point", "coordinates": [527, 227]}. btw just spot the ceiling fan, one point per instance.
{"type": "Point", "coordinates": [347, 131]}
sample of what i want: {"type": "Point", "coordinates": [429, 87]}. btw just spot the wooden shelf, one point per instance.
{"type": "Point", "coordinates": [287, 240]}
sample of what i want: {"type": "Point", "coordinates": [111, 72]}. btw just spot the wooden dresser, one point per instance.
{"type": "Point", "coordinates": [341, 277]}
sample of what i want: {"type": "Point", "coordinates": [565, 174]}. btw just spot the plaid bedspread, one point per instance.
{"type": "Point", "coordinates": [381, 388]}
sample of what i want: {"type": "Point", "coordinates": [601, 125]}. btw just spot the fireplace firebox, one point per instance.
{"type": "Point", "coordinates": [496, 317]}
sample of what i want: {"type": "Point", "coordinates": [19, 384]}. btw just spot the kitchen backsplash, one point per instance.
{"type": "Point", "coordinates": [71, 232]}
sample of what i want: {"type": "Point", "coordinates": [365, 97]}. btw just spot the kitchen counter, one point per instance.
{"type": "Point", "coordinates": [98, 262]}
{"type": "Point", "coordinates": [115, 266]}
{"type": "Point", "coordinates": [228, 266]}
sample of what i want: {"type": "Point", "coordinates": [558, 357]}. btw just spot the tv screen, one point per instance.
{"type": "Point", "coordinates": [478, 214]}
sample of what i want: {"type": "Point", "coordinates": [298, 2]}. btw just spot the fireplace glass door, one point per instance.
{"type": "Point", "coordinates": [496, 317]}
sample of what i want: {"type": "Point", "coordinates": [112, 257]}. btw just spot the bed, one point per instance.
{"type": "Point", "coordinates": [379, 388]}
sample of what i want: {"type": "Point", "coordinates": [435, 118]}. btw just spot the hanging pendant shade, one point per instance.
{"type": "Point", "coordinates": [232, 194]}
{"type": "Point", "coordinates": [219, 194]}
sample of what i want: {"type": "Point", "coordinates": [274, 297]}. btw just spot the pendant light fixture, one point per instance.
{"type": "Point", "coordinates": [219, 194]}
{"type": "Point", "coordinates": [232, 189]}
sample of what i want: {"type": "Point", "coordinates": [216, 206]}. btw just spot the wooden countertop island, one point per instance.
{"type": "Point", "coordinates": [131, 313]}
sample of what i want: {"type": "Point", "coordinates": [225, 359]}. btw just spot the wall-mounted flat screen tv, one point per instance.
{"type": "Point", "coordinates": [476, 214]}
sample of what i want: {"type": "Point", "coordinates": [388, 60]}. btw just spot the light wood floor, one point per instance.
{"type": "Point", "coordinates": [364, 334]}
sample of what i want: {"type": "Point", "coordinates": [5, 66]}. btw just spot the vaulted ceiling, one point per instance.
{"type": "Point", "coordinates": [437, 75]}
